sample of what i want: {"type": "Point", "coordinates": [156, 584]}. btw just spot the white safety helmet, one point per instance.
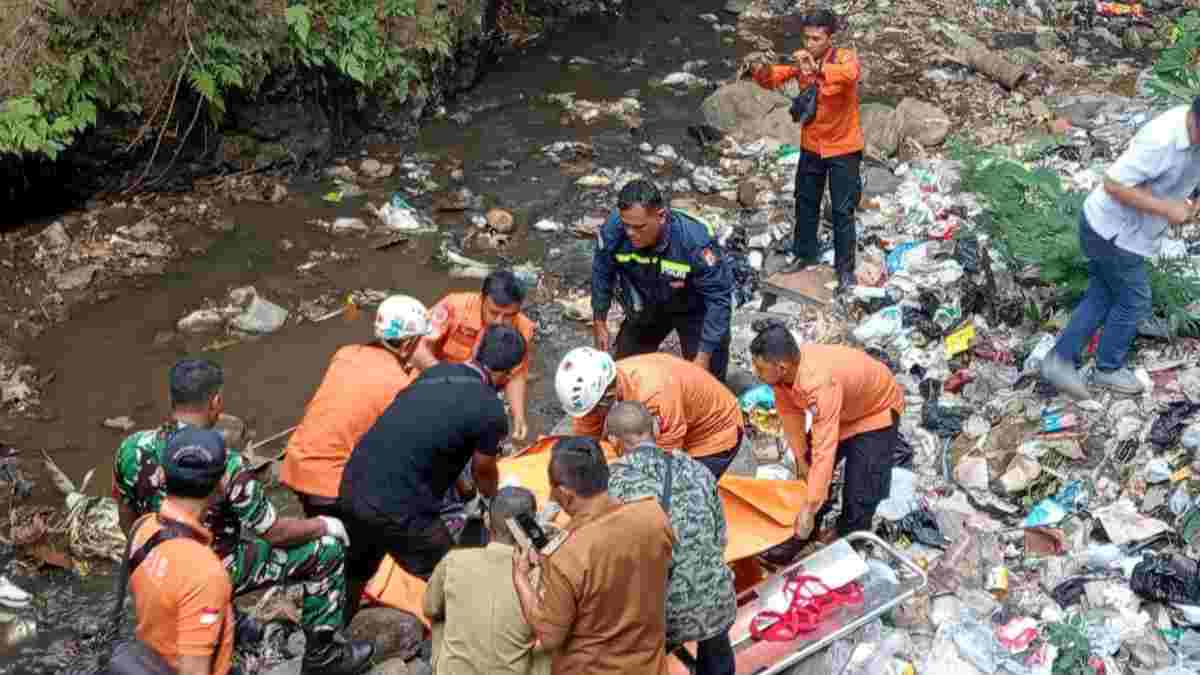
{"type": "Point", "coordinates": [401, 317]}
{"type": "Point", "coordinates": [582, 378]}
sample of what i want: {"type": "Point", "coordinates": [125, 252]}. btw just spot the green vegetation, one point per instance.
{"type": "Point", "coordinates": [1034, 220]}
{"type": "Point", "coordinates": [149, 58]}
{"type": "Point", "coordinates": [1176, 74]}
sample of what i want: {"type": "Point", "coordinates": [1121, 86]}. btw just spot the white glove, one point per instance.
{"type": "Point", "coordinates": [334, 528]}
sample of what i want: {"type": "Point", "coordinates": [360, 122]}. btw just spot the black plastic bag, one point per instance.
{"type": "Point", "coordinates": [943, 422]}
{"type": "Point", "coordinates": [966, 252]}
{"type": "Point", "coordinates": [804, 105]}
{"type": "Point", "coordinates": [902, 452]}
{"type": "Point", "coordinates": [1167, 577]}
{"type": "Point", "coordinates": [1070, 591]}
{"type": "Point", "coordinates": [921, 527]}
{"type": "Point", "coordinates": [1169, 426]}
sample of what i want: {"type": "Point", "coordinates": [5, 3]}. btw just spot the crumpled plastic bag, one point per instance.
{"type": "Point", "coordinates": [966, 252]}
{"type": "Point", "coordinates": [759, 396]}
{"type": "Point", "coordinates": [921, 527]}
{"type": "Point", "coordinates": [975, 643]}
{"type": "Point", "coordinates": [1168, 427]}
{"type": "Point", "coordinates": [1167, 577]}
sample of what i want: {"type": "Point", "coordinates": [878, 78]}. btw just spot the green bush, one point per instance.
{"type": "Point", "coordinates": [1033, 220]}
{"type": "Point", "coordinates": [66, 93]}
{"type": "Point", "coordinates": [1175, 76]}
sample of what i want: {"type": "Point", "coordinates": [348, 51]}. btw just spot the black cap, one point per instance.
{"type": "Point", "coordinates": [194, 462]}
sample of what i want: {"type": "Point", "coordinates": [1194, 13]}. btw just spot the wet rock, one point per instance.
{"type": "Point", "coordinates": [122, 423]}
{"type": "Point", "coordinates": [144, 229]}
{"type": "Point", "coordinates": [925, 123]}
{"type": "Point", "coordinates": [348, 225]}
{"type": "Point", "coordinates": [736, 6]}
{"type": "Point", "coordinates": [55, 236]}
{"type": "Point", "coordinates": [275, 193]}
{"type": "Point", "coordinates": [882, 129]}
{"type": "Point", "coordinates": [341, 172]}
{"type": "Point", "coordinates": [390, 667]}
{"type": "Point", "coordinates": [76, 278]}
{"type": "Point", "coordinates": [201, 321]}
{"type": "Point", "coordinates": [261, 317]}
{"type": "Point", "coordinates": [708, 180]}
{"type": "Point", "coordinates": [242, 296]}
{"type": "Point", "coordinates": [548, 226]}
{"type": "Point", "coordinates": [684, 80]}
{"type": "Point", "coordinates": [748, 192]}
{"type": "Point", "coordinates": [395, 634]}
{"type": "Point", "coordinates": [453, 200]}
{"type": "Point", "coordinates": [373, 168]}
{"type": "Point", "coordinates": [500, 221]}
{"type": "Point", "coordinates": [750, 112]}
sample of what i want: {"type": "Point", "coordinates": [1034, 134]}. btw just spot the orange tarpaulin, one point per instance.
{"type": "Point", "coordinates": [759, 514]}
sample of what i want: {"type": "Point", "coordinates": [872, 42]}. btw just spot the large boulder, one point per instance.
{"type": "Point", "coordinates": [882, 129]}
{"type": "Point", "coordinates": [923, 122]}
{"type": "Point", "coordinates": [749, 112]}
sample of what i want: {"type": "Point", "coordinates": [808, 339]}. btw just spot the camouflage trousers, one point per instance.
{"type": "Point", "coordinates": [317, 564]}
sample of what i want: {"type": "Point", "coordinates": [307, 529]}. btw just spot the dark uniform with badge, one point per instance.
{"type": "Point", "coordinates": [682, 283]}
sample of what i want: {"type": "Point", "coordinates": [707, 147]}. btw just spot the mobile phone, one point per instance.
{"type": "Point", "coordinates": [528, 526]}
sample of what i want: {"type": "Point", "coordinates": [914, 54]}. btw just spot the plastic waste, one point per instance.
{"type": "Point", "coordinates": [884, 324]}
{"type": "Point", "coordinates": [966, 252]}
{"type": "Point", "coordinates": [1180, 500]}
{"type": "Point", "coordinates": [975, 643]}
{"type": "Point", "coordinates": [906, 254]}
{"type": "Point", "coordinates": [760, 396]}
{"type": "Point", "coordinates": [1041, 348]}
{"type": "Point", "coordinates": [1046, 512]}
{"type": "Point", "coordinates": [261, 317]}
{"type": "Point", "coordinates": [1157, 471]}
{"type": "Point", "coordinates": [1190, 439]}
{"type": "Point", "coordinates": [902, 499]}
{"type": "Point", "coordinates": [880, 661]}
{"type": "Point", "coordinates": [922, 527]}
{"type": "Point", "coordinates": [1102, 556]}
{"type": "Point", "coordinates": [12, 595]}
{"type": "Point", "coordinates": [1167, 429]}
{"type": "Point", "coordinates": [1167, 577]}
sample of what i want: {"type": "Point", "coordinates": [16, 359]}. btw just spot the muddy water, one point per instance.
{"type": "Point", "coordinates": [111, 358]}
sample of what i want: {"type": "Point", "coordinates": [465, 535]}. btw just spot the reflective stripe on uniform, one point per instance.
{"type": "Point", "coordinates": [667, 265]}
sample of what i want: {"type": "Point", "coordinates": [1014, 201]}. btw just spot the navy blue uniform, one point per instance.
{"type": "Point", "coordinates": [684, 283]}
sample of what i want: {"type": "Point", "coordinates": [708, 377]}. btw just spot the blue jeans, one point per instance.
{"type": "Point", "coordinates": [1117, 298]}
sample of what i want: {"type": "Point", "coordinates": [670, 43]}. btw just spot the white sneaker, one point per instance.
{"type": "Point", "coordinates": [13, 596]}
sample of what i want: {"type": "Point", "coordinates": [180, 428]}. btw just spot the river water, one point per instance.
{"type": "Point", "coordinates": [111, 358]}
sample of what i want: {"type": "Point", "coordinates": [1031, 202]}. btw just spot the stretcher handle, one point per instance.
{"type": "Point", "coordinates": [904, 560]}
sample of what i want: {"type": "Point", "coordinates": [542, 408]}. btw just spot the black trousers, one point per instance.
{"type": "Point", "coordinates": [644, 333]}
{"type": "Point", "coordinates": [867, 477]}
{"type": "Point", "coordinates": [720, 461]}
{"type": "Point", "coordinates": [417, 545]}
{"type": "Point", "coordinates": [845, 189]}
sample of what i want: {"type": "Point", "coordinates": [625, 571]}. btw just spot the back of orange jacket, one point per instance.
{"type": "Point", "coordinates": [695, 412]}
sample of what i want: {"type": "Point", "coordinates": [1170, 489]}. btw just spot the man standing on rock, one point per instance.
{"type": "Point", "coordinates": [693, 412]}
{"type": "Point", "coordinates": [459, 321]}
{"type": "Point", "coordinates": [838, 403]}
{"type": "Point", "coordinates": [670, 274]}
{"type": "Point", "coordinates": [831, 144]}
{"type": "Point", "coordinates": [393, 485]}
{"type": "Point", "coordinates": [361, 382]}
{"type": "Point", "coordinates": [1123, 222]}
{"type": "Point", "coordinates": [258, 547]}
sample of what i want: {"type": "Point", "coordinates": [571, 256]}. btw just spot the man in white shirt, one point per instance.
{"type": "Point", "coordinates": [1123, 222]}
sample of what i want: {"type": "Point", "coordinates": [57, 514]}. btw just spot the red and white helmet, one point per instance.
{"type": "Point", "coordinates": [401, 317]}
{"type": "Point", "coordinates": [582, 378]}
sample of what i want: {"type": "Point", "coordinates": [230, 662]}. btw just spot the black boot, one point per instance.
{"type": "Point", "coordinates": [329, 653]}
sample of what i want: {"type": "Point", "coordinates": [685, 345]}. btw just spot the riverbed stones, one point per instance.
{"type": "Point", "coordinates": [501, 221]}
{"type": "Point", "coordinates": [923, 122]}
{"type": "Point", "coordinates": [749, 112]}
{"type": "Point", "coordinates": [396, 634]}
{"type": "Point", "coordinates": [201, 321]}
{"type": "Point", "coordinates": [122, 423]}
{"type": "Point", "coordinates": [75, 278]}
{"type": "Point", "coordinates": [882, 129]}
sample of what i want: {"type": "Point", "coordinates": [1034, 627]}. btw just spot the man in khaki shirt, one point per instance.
{"type": "Point", "coordinates": [478, 625]}
{"type": "Point", "coordinates": [603, 595]}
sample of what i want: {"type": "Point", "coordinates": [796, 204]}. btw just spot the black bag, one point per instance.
{"type": "Point", "coordinates": [134, 657]}
{"type": "Point", "coordinates": [804, 106]}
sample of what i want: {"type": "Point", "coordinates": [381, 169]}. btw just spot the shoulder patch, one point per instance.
{"type": "Point", "coordinates": [709, 256]}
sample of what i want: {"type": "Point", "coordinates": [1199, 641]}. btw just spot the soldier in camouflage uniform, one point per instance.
{"type": "Point", "coordinates": [257, 546]}
{"type": "Point", "coordinates": [701, 601]}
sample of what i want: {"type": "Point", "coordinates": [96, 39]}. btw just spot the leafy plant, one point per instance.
{"type": "Point", "coordinates": [349, 37]}
{"type": "Point", "coordinates": [67, 92]}
{"type": "Point", "coordinates": [1074, 649]}
{"type": "Point", "coordinates": [1175, 76]}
